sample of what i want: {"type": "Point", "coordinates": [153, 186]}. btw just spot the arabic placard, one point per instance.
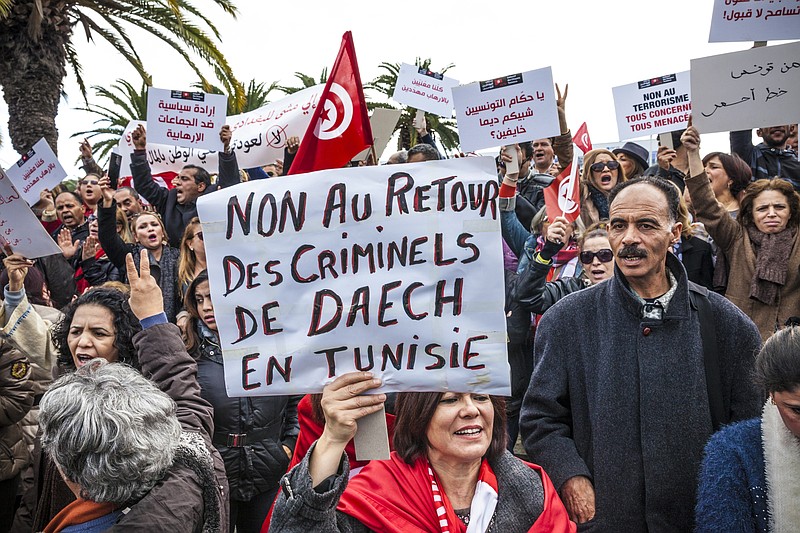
{"type": "Point", "coordinates": [755, 20]}
{"type": "Point", "coordinates": [19, 227]}
{"type": "Point", "coordinates": [35, 171]}
{"type": "Point", "coordinates": [653, 106]}
{"type": "Point", "coordinates": [514, 108]}
{"type": "Point", "coordinates": [749, 89]}
{"type": "Point", "coordinates": [392, 269]}
{"type": "Point", "coordinates": [424, 89]}
{"type": "Point", "coordinates": [183, 118]}
{"type": "Point", "coordinates": [258, 137]}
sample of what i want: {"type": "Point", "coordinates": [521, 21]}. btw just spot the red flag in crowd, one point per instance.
{"type": "Point", "coordinates": [340, 126]}
{"type": "Point", "coordinates": [562, 197]}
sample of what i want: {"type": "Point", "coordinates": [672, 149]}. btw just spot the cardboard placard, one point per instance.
{"type": "Point", "coordinates": [756, 20]}
{"type": "Point", "coordinates": [382, 123]}
{"type": "Point", "coordinates": [36, 170]}
{"type": "Point", "coordinates": [19, 227]}
{"type": "Point", "coordinates": [393, 269]}
{"type": "Point", "coordinates": [184, 118]}
{"type": "Point", "coordinates": [424, 89]}
{"type": "Point", "coordinates": [653, 106]}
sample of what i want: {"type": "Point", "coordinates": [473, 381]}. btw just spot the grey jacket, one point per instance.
{"type": "Point", "coordinates": [623, 401]}
{"type": "Point", "coordinates": [299, 508]}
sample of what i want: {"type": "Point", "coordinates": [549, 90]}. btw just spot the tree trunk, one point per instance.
{"type": "Point", "coordinates": [32, 71]}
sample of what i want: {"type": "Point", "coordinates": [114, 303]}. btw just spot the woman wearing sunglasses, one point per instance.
{"type": "Point", "coordinates": [532, 290]}
{"type": "Point", "coordinates": [601, 173]}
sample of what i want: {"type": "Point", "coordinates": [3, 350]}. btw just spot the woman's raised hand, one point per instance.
{"type": "Point", "coordinates": [146, 299]}
{"type": "Point", "coordinates": [344, 402]}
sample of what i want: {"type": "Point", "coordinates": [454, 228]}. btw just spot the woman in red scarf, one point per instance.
{"type": "Point", "coordinates": [450, 471]}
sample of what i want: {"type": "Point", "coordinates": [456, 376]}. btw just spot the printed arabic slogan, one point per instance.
{"type": "Point", "coordinates": [755, 20]}
{"type": "Point", "coordinates": [749, 89]}
{"type": "Point", "coordinates": [393, 269]}
{"type": "Point", "coordinates": [19, 227]}
{"type": "Point", "coordinates": [183, 118]}
{"type": "Point", "coordinates": [501, 111]}
{"type": "Point", "coordinates": [424, 89]}
{"type": "Point", "coordinates": [259, 136]}
{"type": "Point", "coordinates": [35, 171]}
{"type": "Point", "coordinates": [653, 106]}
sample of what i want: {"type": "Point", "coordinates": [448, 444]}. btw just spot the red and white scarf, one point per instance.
{"type": "Point", "coordinates": [481, 510]}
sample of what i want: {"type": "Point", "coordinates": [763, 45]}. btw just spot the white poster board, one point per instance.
{"type": "Point", "coordinates": [382, 122]}
{"type": "Point", "coordinates": [514, 108]}
{"type": "Point", "coordinates": [35, 171]}
{"type": "Point", "coordinates": [183, 118]}
{"type": "Point", "coordinates": [19, 227]}
{"type": "Point", "coordinates": [393, 269]}
{"type": "Point", "coordinates": [653, 106]}
{"type": "Point", "coordinates": [424, 89]}
{"type": "Point", "coordinates": [749, 89]}
{"type": "Point", "coordinates": [759, 20]}
{"type": "Point", "coordinates": [258, 137]}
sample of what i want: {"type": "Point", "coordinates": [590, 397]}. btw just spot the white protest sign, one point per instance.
{"type": "Point", "coordinates": [759, 20]}
{"type": "Point", "coordinates": [653, 106]}
{"type": "Point", "coordinates": [19, 227]}
{"type": "Point", "coordinates": [424, 89]}
{"type": "Point", "coordinates": [184, 118]}
{"type": "Point", "coordinates": [393, 269]}
{"type": "Point", "coordinates": [749, 89]}
{"type": "Point", "coordinates": [258, 137]}
{"type": "Point", "coordinates": [37, 170]}
{"type": "Point", "coordinates": [518, 107]}
{"type": "Point", "coordinates": [382, 122]}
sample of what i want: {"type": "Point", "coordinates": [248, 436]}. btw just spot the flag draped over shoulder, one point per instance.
{"type": "Point", "coordinates": [340, 126]}
{"type": "Point", "coordinates": [563, 196]}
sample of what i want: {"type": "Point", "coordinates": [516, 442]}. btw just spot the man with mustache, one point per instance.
{"type": "Point", "coordinates": [621, 404]}
{"type": "Point", "coordinates": [771, 158]}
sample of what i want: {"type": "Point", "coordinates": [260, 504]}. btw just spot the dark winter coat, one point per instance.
{"type": "Point", "coordinates": [623, 400]}
{"type": "Point", "coordinates": [766, 162]}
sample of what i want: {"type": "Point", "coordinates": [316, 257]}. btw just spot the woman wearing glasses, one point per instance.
{"type": "Point", "coordinates": [601, 173]}
{"type": "Point", "coordinates": [532, 290]}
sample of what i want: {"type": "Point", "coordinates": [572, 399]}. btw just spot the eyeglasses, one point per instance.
{"type": "Point", "coordinates": [90, 182]}
{"type": "Point", "coordinates": [198, 234]}
{"type": "Point", "coordinates": [605, 255]}
{"type": "Point", "coordinates": [599, 166]}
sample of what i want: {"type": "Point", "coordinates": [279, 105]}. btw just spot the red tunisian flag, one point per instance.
{"type": "Point", "coordinates": [563, 196]}
{"type": "Point", "coordinates": [340, 126]}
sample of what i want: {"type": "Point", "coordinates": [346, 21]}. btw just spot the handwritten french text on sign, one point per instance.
{"type": "Point", "coordinates": [19, 227]}
{"type": "Point", "coordinates": [392, 269]}
{"type": "Point", "coordinates": [518, 107]}
{"type": "Point", "coordinates": [756, 20]}
{"type": "Point", "coordinates": [258, 137]}
{"type": "Point", "coordinates": [183, 118]}
{"type": "Point", "coordinates": [653, 106]}
{"type": "Point", "coordinates": [422, 89]}
{"type": "Point", "coordinates": [743, 90]}
{"type": "Point", "coordinates": [37, 170]}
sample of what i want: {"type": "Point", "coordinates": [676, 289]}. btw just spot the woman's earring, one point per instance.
{"type": "Point", "coordinates": [772, 400]}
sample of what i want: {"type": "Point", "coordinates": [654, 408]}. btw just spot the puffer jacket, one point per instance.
{"type": "Point", "coordinates": [249, 432]}
{"type": "Point", "coordinates": [16, 399]}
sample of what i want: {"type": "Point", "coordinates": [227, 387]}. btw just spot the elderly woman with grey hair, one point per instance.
{"type": "Point", "coordinates": [136, 452]}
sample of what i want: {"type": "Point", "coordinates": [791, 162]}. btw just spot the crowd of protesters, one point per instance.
{"type": "Point", "coordinates": [634, 335]}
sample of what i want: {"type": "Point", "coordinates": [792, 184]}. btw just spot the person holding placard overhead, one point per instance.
{"type": "Point", "coordinates": [771, 158]}
{"type": "Point", "coordinates": [450, 470]}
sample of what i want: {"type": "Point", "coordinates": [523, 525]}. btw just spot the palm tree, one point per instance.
{"type": "Point", "coordinates": [36, 44]}
{"type": "Point", "coordinates": [306, 81]}
{"type": "Point", "coordinates": [125, 103]}
{"type": "Point", "coordinates": [384, 84]}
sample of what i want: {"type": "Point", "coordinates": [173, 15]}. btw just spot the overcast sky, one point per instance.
{"type": "Point", "coordinates": [592, 45]}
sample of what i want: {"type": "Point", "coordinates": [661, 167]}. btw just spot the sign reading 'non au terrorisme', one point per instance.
{"type": "Point", "coordinates": [392, 269]}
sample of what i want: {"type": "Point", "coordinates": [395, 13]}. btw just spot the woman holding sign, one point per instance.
{"type": "Point", "coordinates": [762, 245]}
{"type": "Point", "coordinates": [450, 470]}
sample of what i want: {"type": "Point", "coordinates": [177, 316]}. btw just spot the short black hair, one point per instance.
{"type": "Point", "coordinates": [777, 366]}
{"type": "Point", "coordinates": [201, 175]}
{"type": "Point", "coordinates": [130, 190]}
{"type": "Point", "coordinates": [527, 149]}
{"type": "Point", "coordinates": [665, 186]}
{"type": "Point", "coordinates": [75, 194]}
{"type": "Point", "coordinates": [428, 152]}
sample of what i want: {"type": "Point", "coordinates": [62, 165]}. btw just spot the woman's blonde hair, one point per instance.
{"type": "Point", "coordinates": [188, 259]}
{"type": "Point", "coordinates": [122, 221]}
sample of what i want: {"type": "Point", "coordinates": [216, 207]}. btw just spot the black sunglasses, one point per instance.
{"type": "Point", "coordinates": [598, 167]}
{"type": "Point", "coordinates": [605, 255]}
{"type": "Point", "coordinates": [198, 234]}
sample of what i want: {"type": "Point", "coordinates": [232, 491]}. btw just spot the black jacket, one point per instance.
{"type": "Point", "coordinates": [268, 421]}
{"type": "Point", "coordinates": [176, 216]}
{"type": "Point", "coordinates": [535, 294]}
{"type": "Point", "coordinates": [98, 271]}
{"type": "Point", "coordinates": [698, 261]}
{"type": "Point", "coordinates": [766, 162]}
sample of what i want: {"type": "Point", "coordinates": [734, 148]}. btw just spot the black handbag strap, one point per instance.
{"type": "Point", "coordinates": [698, 297]}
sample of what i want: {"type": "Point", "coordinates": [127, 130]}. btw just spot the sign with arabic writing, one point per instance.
{"type": "Point", "coordinates": [749, 89]}
{"type": "Point", "coordinates": [652, 106]}
{"type": "Point", "coordinates": [424, 89]}
{"type": "Point", "coordinates": [755, 20]}
{"type": "Point", "coordinates": [188, 119]}
{"type": "Point", "coordinates": [19, 227]}
{"type": "Point", "coordinates": [506, 110]}
{"type": "Point", "coordinates": [258, 137]}
{"type": "Point", "coordinates": [36, 170]}
{"type": "Point", "coordinates": [393, 269]}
